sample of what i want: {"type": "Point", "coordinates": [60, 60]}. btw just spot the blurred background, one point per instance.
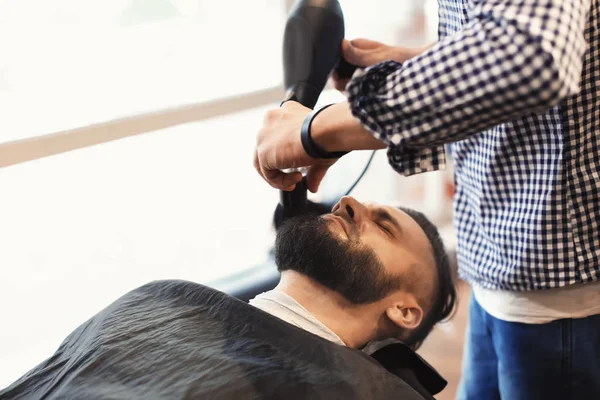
{"type": "Point", "coordinates": [183, 86]}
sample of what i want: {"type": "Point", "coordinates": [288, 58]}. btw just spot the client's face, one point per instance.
{"type": "Point", "coordinates": [361, 251]}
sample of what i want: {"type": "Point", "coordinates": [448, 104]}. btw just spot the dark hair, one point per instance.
{"type": "Point", "coordinates": [444, 300]}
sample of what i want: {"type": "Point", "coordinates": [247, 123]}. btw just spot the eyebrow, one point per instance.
{"type": "Point", "coordinates": [385, 216]}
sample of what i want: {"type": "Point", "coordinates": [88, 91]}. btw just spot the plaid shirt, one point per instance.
{"type": "Point", "coordinates": [514, 87]}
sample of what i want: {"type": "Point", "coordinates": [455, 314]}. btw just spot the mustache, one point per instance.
{"type": "Point", "coordinates": [350, 225]}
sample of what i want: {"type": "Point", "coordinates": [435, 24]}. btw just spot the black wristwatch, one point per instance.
{"type": "Point", "coordinates": [311, 148]}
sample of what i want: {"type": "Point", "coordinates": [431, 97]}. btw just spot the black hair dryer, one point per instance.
{"type": "Point", "coordinates": [312, 48]}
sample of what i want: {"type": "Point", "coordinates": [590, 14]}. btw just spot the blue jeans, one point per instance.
{"type": "Point", "coordinates": [515, 361]}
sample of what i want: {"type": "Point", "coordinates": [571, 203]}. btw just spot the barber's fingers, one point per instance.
{"type": "Point", "coordinates": [281, 180]}
{"type": "Point", "coordinates": [257, 165]}
{"type": "Point", "coordinates": [316, 173]}
{"type": "Point", "coordinates": [364, 53]}
{"type": "Point", "coordinates": [364, 44]}
{"type": "Point", "coordinates": [355, 54]}
{"type": "Point", "coordinates": [276, 178]}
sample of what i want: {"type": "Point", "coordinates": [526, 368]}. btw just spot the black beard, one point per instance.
{"type": "Point", "coordinates": [306, 245]}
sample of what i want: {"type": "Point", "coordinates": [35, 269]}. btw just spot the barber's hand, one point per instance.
{"type": "Point", "coordinates": [278, 147]}
{"type": "Point", "coordinates": [365, 53]}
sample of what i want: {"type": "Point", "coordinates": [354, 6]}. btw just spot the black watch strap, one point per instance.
{"type": "Point", "coordinates": [311, 148]}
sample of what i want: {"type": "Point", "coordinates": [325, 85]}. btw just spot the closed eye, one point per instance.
{"type": "Point", "coordinates": [385, 229]}
{"type": "Point", "coordinates": [387, 223]}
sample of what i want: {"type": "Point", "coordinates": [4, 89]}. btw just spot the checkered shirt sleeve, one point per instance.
{"type": "Point", "coordinates": [512, 58]}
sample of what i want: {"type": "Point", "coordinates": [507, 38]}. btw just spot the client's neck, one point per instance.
{"type": "Point", "coordinates": [355, 325]}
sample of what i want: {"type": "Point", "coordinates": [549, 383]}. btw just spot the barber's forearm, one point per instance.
{"type": "Point", "coordinates": [504, 64]}
{"type": "Point", "coordinates": [336, 129]}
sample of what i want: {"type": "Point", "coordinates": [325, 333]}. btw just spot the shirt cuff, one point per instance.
{"type": "Point", "coordinates": [409, 162]}
{"type": "Point", "coordinates": [367, 91]}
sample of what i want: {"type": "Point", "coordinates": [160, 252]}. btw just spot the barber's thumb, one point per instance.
{"type": "Point", "coordinates": [289, 181]}
{"type": "Point", "coordinates": [357, 56]}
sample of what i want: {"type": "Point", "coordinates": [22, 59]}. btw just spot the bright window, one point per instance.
{"type": "Point", "coordinates": [71, 63]}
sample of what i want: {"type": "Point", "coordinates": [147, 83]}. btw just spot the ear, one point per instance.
{"type": "Point", "coordinates": [405, 314]}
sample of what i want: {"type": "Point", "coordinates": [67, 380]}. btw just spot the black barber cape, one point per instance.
{"type": "Point", "coordinates": [181, 340]}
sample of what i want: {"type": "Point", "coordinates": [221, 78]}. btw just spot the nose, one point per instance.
{"type": "Point", "coordinates": [352, 208]}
